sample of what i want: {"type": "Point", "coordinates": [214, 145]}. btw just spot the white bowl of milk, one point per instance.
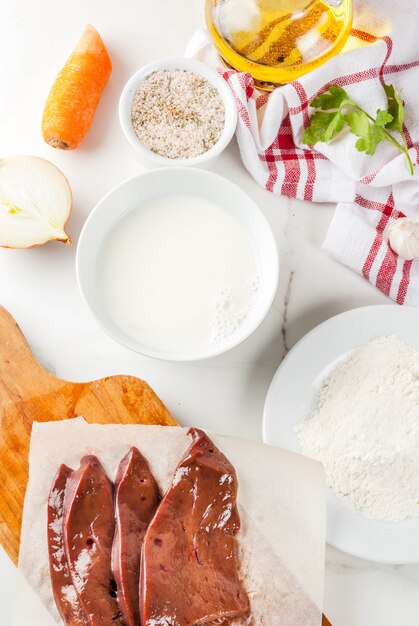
{"type": "Point", "coordinates": [178, 264]}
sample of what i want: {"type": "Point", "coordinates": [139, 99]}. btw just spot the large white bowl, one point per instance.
{"type": "Point", "coordinates": [213, 77]}
{"type": "Point", "coordinates": [176, 181]}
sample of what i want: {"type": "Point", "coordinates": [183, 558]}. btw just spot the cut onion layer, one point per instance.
{"type": "Point", "coordinates": [35, 202]}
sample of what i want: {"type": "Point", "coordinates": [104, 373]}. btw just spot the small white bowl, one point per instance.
{"type": "Point", "coordinates": [213, 77]}
{"type": "Point", "coordinates": [175, 181]}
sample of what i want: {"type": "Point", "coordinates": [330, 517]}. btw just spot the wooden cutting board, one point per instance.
{"type": "Point", "coordinates": [29, 393]}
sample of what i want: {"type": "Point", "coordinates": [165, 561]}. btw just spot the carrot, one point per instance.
{"type": "Point", "coordinates": [76, 92]}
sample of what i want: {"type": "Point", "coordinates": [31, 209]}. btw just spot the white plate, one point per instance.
{"type": "Point", "coordinates": [293, 394]}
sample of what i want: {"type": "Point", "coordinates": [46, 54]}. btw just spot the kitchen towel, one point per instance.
{"type": "Point", "coordinates": [372, 192]}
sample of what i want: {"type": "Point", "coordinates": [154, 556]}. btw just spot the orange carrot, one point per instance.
{"type": "Point", "coordinates": [76, 92]}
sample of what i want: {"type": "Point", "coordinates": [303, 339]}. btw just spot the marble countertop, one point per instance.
{"type": "Point", "coordinates": [39, 288]}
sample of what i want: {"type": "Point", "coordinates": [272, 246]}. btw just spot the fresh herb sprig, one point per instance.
{"type": "Point", "coordinates": [336, 110]}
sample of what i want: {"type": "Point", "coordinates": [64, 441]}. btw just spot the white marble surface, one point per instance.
{"type": "Point", "coordinates": [39, 287]}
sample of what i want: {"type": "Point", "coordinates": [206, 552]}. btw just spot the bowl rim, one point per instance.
{"type": "Point", "coordinates": [210, 74]}
{"type": "Point", "coordinates": [167, 355]}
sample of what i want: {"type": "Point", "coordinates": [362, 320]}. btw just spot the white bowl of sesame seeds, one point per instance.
{"type": "Point", "coordinates": [178, 112]}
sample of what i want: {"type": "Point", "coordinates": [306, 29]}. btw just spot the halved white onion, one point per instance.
{"type": "Point", "coordinates": [35, 202]}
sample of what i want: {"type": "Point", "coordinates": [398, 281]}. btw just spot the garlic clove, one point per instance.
{"type": "Point", "coordinates": [403, 238]}
{"type": "Point", "coordinates": [35, 202]}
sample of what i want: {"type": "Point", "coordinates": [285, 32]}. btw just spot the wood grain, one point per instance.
{"type": "Point", "coordinates": [29, 393]}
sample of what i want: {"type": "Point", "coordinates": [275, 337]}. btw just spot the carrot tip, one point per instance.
{"type": "Point", "coordinates": [57, 143]}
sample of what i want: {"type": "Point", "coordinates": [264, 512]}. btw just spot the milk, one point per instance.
{"type": "Point", "coordinates": [178, 273]}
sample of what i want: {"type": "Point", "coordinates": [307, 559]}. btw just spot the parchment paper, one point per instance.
{"type": "Point", "coordinates": [281, 502]}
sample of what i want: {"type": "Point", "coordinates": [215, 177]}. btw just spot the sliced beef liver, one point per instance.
{"type": "Point", "coordinates": [189, 571]}
{"type": "Point", "coordinates": [65, 594]}
{"type": "Point", "coordinates": [136, 500]}
{"type": "Point", "coordinates": [89, 528]}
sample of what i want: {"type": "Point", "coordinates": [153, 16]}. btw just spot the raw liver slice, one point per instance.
{"type": "Point", "coordinates": [136, 500]}
{"type": "Point", "coordinates": [89, 528]}
{"type": "Point", "coordinates": [189, 569]}
{"type": "Point", "coordinates": [65, 594]}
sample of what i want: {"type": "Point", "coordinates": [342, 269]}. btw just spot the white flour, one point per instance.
{"type": "Point", "coordinates": [366, 430]}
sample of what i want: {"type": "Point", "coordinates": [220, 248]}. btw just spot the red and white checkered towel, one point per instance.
{"type": "Point", "coordinates": [371, 191]}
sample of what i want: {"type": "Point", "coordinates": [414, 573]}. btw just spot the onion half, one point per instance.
{"type": "Point", "coordinates": [35, 202]}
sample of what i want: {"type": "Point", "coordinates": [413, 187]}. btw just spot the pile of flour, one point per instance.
{"type": "Point", "coordinates": [365, 430]}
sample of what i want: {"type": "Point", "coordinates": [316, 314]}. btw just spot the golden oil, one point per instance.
{"type": "Point", "coordinates": [277, 41]}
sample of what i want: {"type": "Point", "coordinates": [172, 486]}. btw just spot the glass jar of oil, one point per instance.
{"type": "Point", "coordinates": [277, 41]}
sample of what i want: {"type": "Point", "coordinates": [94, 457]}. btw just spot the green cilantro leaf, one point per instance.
{"type": "Point", "coordinates": [358, 122]}
{"type": "Point", "coordinates": [333, 98]}
{"type": "Point", "coordinates": [369, 134]}
{"type": "Point", "coordinates": [336, 110]}
{"type": "Point", "coordinates": [335, 126]}
{"type": "Point", "coordinates": [383, 118]}
{"type": "Point", "coordinates": [395, 108]}
{"type": "Point", "coordinates": [369, 143]}
{"type": "Point", "coordinates": [323, 126]}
